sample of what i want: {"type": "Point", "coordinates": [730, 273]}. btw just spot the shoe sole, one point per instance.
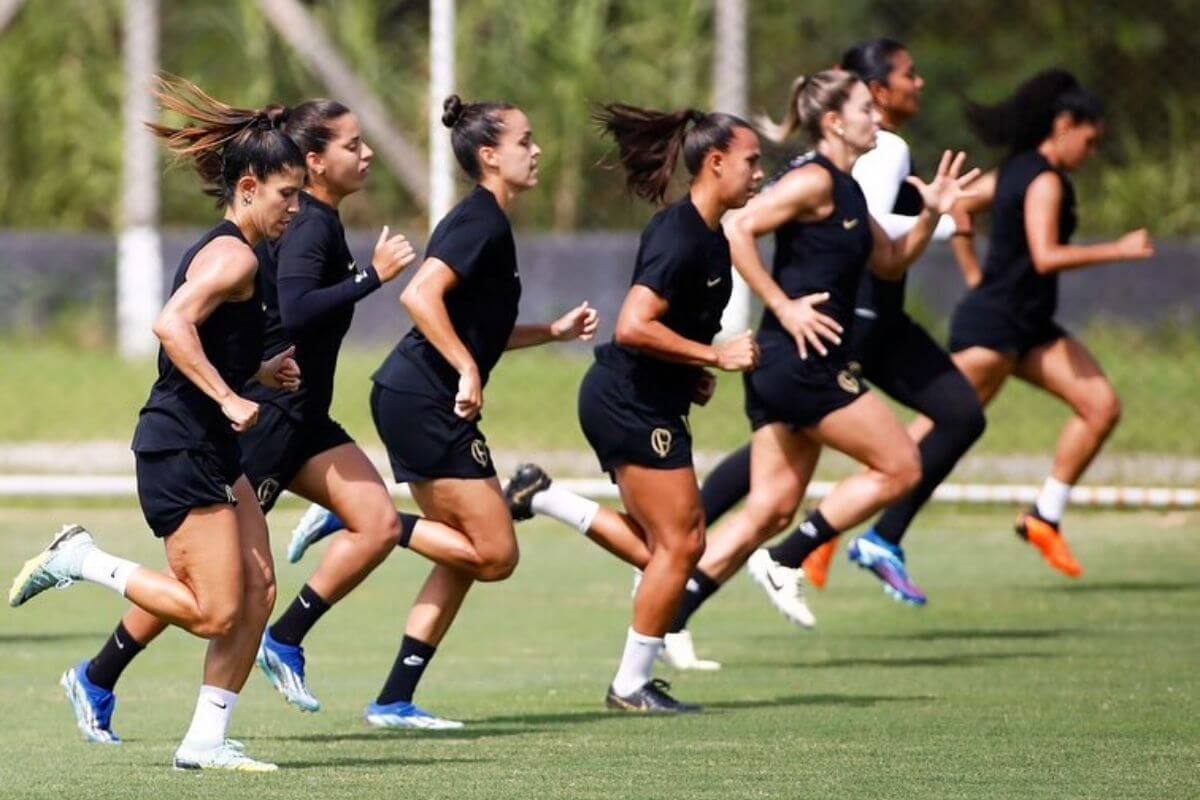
{"type": "Point", "coordinates": [195, 766]}
{"type": "Point", "coordinates": [377, 721]}
{"type": "Point", "coordinates": [264, 664]}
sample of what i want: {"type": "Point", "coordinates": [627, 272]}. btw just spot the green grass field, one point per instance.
{"type": "Point", "coordinates": [50, 392]}
{"type": "Point", "coordinates": [1013, 682]}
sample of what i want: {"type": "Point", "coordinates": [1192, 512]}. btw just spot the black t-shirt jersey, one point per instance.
{"type": "Point", "coordinates": [475, 240]}
{"type": "Point", "coordinates": [1010, 282]}
{"type": "Point", "coordinates": [178, 415]}
{"type": "Point", "coordinates": [882, 297]}
{"type": "Point", "coordinates": [828, 255]}
{"type": "Point", "coordinates": [310, 284]}
{"type": "Point", "coordinates": [687, 264]}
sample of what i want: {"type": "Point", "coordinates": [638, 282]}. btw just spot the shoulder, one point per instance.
{"type": "Point", "coordinates": [226, 259]}
{"type": "Point", "coordinates": [808, 179]}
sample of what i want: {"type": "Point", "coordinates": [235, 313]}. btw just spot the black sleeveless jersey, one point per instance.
{"type": "Point", "coordinates": [828, 255]}
{"type": "Point", "coordinates": [475, 240]}
{"type": "Point", "coordinates": [1010, 282]}
{"type": "Point", "coordinates": [178, 415]}
{"type": "Point", "coordinates": [309, 283]}
{"type": "Point", "coordinates": [687, 264]}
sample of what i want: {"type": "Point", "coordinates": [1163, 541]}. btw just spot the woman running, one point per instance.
{"type": "Point", "coordinates": [634, 401]}
{"type": "Point", "coordinates": [193, 493]}
{"type": "Point", "coordinates": [892, 351]}
{"type": "Point", "coordinates": [805, 395]}
{"type": "Point", "coordinates": [1005, 326]}
{"type": "Point", "coordinates": [428, 394]}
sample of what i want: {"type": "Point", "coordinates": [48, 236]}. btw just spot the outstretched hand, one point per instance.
{"type": "Point", "coordinates": [947, 186]}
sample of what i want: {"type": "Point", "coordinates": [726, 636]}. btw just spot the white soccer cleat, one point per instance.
{"type": "Point", "coordinates": [315, 524]}
{"type": "Point", "coordinates": [679, 652]}
{"type": "Point", "coordinates": [56, 567]}
{"type": "Point", "coordinates": [224, 756]}
{"type": "Point", "coordinates": [784, 587]}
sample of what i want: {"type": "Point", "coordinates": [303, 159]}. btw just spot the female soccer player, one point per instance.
{"type": "Point", "coordinates": [892, 350]}
{"type": "Point", "coordinates": [805, 394]}
{"type": "Point", "coordinates": [634, 401]}
{"type": "Point", "coordinates": [1005, 326]}
{"type": "Point", "coordinates": [428, 393]}
{"type": "Point", "coordinates": [191, 486]}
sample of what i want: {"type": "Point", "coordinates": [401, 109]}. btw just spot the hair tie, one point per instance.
{"type": "Point", "coordinates": [697, 116]}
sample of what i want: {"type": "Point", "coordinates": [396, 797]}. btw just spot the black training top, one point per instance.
{"type": "Point", "coordinates": [828, 255]}
{"type": "Point", "coordinates": [310, 284]}
{"type": "Point", "coordinates": [687, 264]}
{"type": "Point", "coordinates": [178, 415]}
{"type": "Point", "coordinates": [475, 240]}
{"type": "Point", "coordinates": [883, 297]}
{"type": "Point", "coordinates": [1010, 283]}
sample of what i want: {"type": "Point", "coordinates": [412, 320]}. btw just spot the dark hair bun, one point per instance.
{"type": "Point", "coordinates": [452, 109]}
{"type": "Point", "coordinates": [276, 115]}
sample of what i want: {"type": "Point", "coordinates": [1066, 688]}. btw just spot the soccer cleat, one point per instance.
{"type": "Point", "coordinates": [407, 715]}
{"type": "Point", "coordinates": [886, 562]}
{"type": "Point", "coordinates": [56, 567]}
{"type": "Point", "coordinates": [93, 705]}
{"type": "Point", "coordinates": [317, 523]}
{"type": "Point", "coordinates": [679, 652]}
{"type": "Point", "coordinates": [1046, 537]}
{"type": "Point", "coordinates": [283, 664]}
{"type": "Point", "coordinates": [528, 480]}
{"type": "Point", "coordinates": [816, 566]}
{"type": "Point", "coordinates": [784, 587]}
{"type": "Point", "coordinates": [224, 756]}
{"type": "Point", "coordinates": [652, 698]}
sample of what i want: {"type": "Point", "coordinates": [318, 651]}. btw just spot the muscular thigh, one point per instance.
{"type": "Point", "coordinates": [474, 506]}
{"type": "Point", "coordinates": [205, 553]}
{"type": "Point", "coordinates": [664, 502]}
{"type": "Point", "coordinates": [344, 480]}
{"type": "Point", "coordinates": [867, 431]}
{"type": "Point", "coordinates": [258, 566]}
{"type": "Point", "coordinates": [1066, 369]}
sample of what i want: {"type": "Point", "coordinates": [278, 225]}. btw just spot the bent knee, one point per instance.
{"type": "Point", "coordinates": [498, 564]}
{"type": "Point", "coordinates": [219, 621]}
{"type": "Point", "coordinates": [902, 475]}
{"type": "Point", "coordinates": [1103, 411]}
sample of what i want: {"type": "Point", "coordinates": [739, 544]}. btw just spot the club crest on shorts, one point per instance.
{"type": "Point", "coordinates": [660, 442]}
{"type": "Point", "coordinates": [847, 380]}
{"type": "Point", "coordinates": [267, 491]}
{"type": "Point", "coordinates": [479, 452]}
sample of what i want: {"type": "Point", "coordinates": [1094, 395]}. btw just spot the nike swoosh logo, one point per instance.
{"type": "Point", "coordinates": [218, 705]}
{"type": "Point", "coordinates": [304, 602]}
{"type": "Point", "coordinates": [849, 224]}
{"type": "Point", "coordinates": [713, 282]}
{"type": "Point", "coordinates": [113, 575]}
{"type": "Point", "coordinates": [117, 639]}
{"type": "Point", "coordinates": [360, 277]}
{"type": "Point", "coordinates": [413, 661]}
{"type": "Point", "coordinates": [774, 585]}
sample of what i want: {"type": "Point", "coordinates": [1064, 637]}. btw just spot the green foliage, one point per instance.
{"type": "Point", "coordinates": [60, 70]}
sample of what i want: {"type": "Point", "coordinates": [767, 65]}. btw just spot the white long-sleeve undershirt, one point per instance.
{"type": "Point", "coordinates": [881, 172]}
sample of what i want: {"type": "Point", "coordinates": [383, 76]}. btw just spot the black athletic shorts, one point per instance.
{"type": "Point", "coordinates": [975, 325]}
{"type": "Point", "coordinates": [799, 392]}
{"type": "Point", "coordinates": [900, 358]}
{"type": "Point", "coordinates": [173, 482]}
{"type": "Point", "coordinates": [275, 449]}
{"type": "Point", "coordinates": [426, 440]}
{"type": "Point", "coordinates": [624, 431]}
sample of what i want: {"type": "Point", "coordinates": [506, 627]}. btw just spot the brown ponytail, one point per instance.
{"type": "Point", "coordinates": [812, 97]}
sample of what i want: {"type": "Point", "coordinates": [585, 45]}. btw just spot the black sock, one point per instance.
{"type": "Point", "coordinates": [408, 522]}
{"type": "Point", "coordinates": [700, 587]}
{"type": "Point", "coordinates": [726, 485]}
{"type": "Point", "coordinates": [301, 615]}
{"type": "Point", "coordinates": [811, 534]}
{"type": "Point", "coordinates": [113, 658]}
{"type": "Point", "coordinates": [411, 661]}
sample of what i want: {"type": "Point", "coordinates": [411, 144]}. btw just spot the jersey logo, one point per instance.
{"type": "Point", "coordinates": [850, 224]}
{"type": "Point", "coordinates": [848, 382]}
{"type": "Point", "coordinates": [660, 442]}
{"type": "Point", "coordinates": [711, 282]}
{"type": "Point", "coordinates": [479, 452]}
{"type": "Point", "coordinates": [267, 491]}
{"type": "Point", "coordinates": [360, 277]}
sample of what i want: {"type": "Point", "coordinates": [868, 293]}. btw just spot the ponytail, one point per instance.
{"type": "Point", "coordinates": [812, 97]}
{"type": "Point", "coordinates": [1023, 120]}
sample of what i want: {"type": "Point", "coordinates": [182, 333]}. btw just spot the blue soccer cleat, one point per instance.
{"type": "Point", "coordinates": [317, 523]}
{"type": "Point", "coordinates": [886, 561]}
{"type": "Point", "coordinates": [407, 715]}
{"type": "Point", "coordinates": [93, 705]}
{"type": "Point", "coordinates": [283, 664]}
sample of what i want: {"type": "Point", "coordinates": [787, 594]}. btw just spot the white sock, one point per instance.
{"type": "Point", "coordinates": [637, 663]}
{"type": "Point", "coordinates": [211, 720]}
{"type": "Point", "coordinates": [1052, 500]}
{"type": "Point", "coordinates": [107, 570]}
{"type": "Point", "coordinates": [566, 507]}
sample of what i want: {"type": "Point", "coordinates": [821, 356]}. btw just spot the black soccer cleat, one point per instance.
{"type": "Point", "coordinates": [652, 698]}
{"type": "Point", "coordinates": [528, 480]}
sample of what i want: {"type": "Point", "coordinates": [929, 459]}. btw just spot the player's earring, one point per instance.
{"type": "Point", "coordinates": [840, 131]}
{"type": "Point", "coordinates": [246, 200]}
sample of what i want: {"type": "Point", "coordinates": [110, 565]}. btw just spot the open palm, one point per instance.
{"type": "Point", "coordinates": [947, 186]}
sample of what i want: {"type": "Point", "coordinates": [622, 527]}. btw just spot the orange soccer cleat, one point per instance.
{"type": "Point", "coordinates": [816, 566]}
{"type": "Point", "coordinates": [1045, 536]}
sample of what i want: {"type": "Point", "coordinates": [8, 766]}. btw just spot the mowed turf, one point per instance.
{"type": "Point", "coordinates": [1014, 682]}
